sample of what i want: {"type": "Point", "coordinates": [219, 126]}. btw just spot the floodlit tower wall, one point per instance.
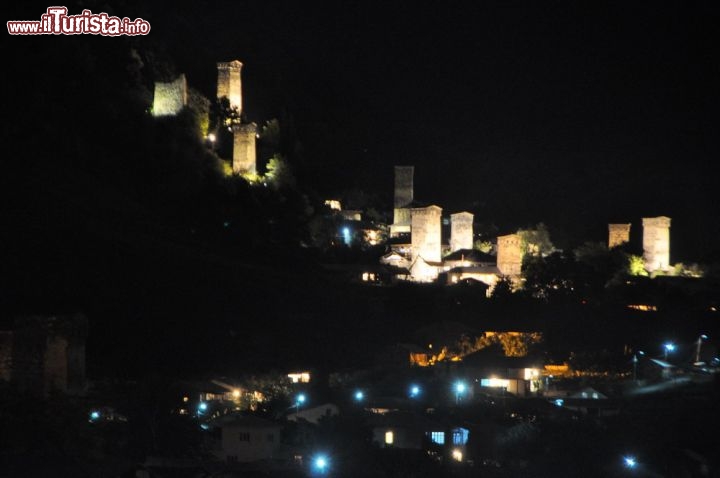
{"type": "Point", "coordinates": [404, 191]}
{"type": "Point", "coordinates": [244, 151]}
{"type": "Point", "coordinates": [461, 231]}
{"type": "Point", "coordinates": [509, 254]}
{"type": "Point", "coordinates": [230, 83]}
{"type": "Point", "coordinates": [656, 243]}
{"type": "Point", "coordinates": [426, 241]}
{"type": "Point", "coordinates": [170, 98]}
{"type": "Point", "coordinates": [618, 234]}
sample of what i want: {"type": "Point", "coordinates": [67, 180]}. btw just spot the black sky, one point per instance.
{"type": "Point", "coordinates": [571, 113]}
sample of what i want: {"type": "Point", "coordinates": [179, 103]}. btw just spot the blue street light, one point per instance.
{"type": "Point", "coordinates": [94, 415]}
{"type": "Point", "coordinates": [668, 347]}
{"type": "Point", "coordinates": [299, 400]}
{"type": "Point", "coordinates": [359, 395]}
{"type": "Point", "coordinates": [202, 407]}
{"type": "Point", "coordinates": [414, 391]}
{"type": "Point", "coordinates": [629, 461]}
{"type": "Point", "coordinates": [460, 388]}
{"type": "Point", "coordinates": [321, 464]}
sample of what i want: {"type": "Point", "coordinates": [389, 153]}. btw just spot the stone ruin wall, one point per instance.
{"type": "Point", "coordinates": [618, 234]}
{"type": "Point", "coordinates": [170, 98]}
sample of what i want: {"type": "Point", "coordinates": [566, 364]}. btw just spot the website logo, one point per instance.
{"type": "Point", "coordinates": [56, 21]}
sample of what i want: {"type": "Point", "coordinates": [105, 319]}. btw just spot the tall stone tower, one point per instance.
{"type": "Point", "coordinates": [230, 83]}
{"type": "Point", "coordinates": [244, 152]}
{"type": "Point", "coordinates": [426, 241]}
{"type": "Point", "coordinates": [656, 243]}
{"type": "Point", "coordinates": [509, 254]}
{"type": "Point", "coordinates": [461, 231]}
{"type": "Point", "coordinates": [618, 234]}
{"type": "Point", "coordinates": [403, 198]}
{"type": "Point", "coordinates": [170, 98]}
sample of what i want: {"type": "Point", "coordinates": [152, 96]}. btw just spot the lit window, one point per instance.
{"type": "Point", "coordinates": [437, 437]}
{"type": "Point", "coordinates": [457, 455]}
{"type": "Point", "coordinates": [460, 436]}
{"type": "Point", "coordinates": [389, 438]}
{"type": "Point", "coordinates": [495, 382]}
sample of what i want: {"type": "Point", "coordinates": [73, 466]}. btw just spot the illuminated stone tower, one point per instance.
{"type": "Point", "coordinates": [403, 198]}
{"type": "Point", "coordinates": [618, 234]}
{"type": "Point", "coordinates": [656, 243]}
{"type": "Point", "coordinates": [244, 152]}
{"type": "Point", "coordinates": [461, 231]}
{"type": "Point", "coordinates": [230, 83]}
{"type": "Point", "coordinates": [170, 98]}
{"type": "Point", "coordinates": [426, 242]}
{"type": "Point", "coordinates": [509, 254]}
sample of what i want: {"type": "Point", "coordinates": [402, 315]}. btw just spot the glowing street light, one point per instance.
{"type": "Point", "coordinates": [359, 395]}
{"type": "Point", "coordinates": [202, 407]}
{"type": "Point", "coordinates": [299, 400]}
{"type": "Point", "coordinates": [457, 455]}
{"type": "Point", "coordinates": [629, 461]}
{"type": "Point", "coordinates": [460, 388]}
{"type": "Point", "coordinates": [321, 464]}
{"type": "Point", "coordinates": [94, 415]}
{"type": "Point", "coordinates": [414, 391]}
{"type": "Point", "coordinates": [668, 347]}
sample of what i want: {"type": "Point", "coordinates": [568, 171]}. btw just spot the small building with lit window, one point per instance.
{"type": "Point", "coordinates": [406, 431]}
{"type": "Point", "coordinates": [519, 376]}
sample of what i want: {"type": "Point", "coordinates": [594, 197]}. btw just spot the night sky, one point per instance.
{"type": "Point", "coordinates": [573, 114]}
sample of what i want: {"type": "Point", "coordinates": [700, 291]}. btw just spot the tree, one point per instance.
{"type": "Point", "coordinates": [536, 242]}
{"type": "Point", "coordinates": [503, 289]}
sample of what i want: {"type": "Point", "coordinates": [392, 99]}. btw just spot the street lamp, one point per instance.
{"type": "Point", "coordinates": [668, 347]}
{"type": "Point", "coordinates": [414, 391]}
{"type": "Point", "coordinates": [699, 345]}
{"type": "Point", "coordinates": [459, 390]}
{"type": "Point", "coordinates": [320, 464]}
{"type": "Point", "coordinates": [299, 400]}
{"type": "Point", "coordinates": [359, 395]}
{"type": "Point", "coordinates": [629, 461]}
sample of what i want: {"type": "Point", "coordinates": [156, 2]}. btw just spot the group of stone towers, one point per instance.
{"type": "Point", "coordinates": [171, 97]}
{"type": "Point", "coordinates": [229, 86]}
{"type": "Point", "coordinates": [656, 241]}
{"type": "Point", "coordinates": [424, 224]}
